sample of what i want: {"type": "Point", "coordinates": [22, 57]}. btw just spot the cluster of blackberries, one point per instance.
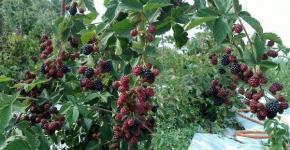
{"type": "Point", "coordinates": [47, 116]}
{"type": "Point", "coordinates": [54, 68]}
{"type": "Point", "coordinates": [147, 73]}
{"type": "Point", "coordinates": [237, 28]}
{"type": "Point", "coordinates": [220, 94]}
{"type": "Point", "coordinates": [74, 41]}
{"type": "Point", "coordinates": [89, 48]}
{"type": "Point", "coordinates": [269, 110]}
{"type": "Point", "coordinates": [270, 52]}
{"type": "Point", "coordinates": [73, 9]}
{"type": "Point", "coordinates": [46, 46]}
{"type": "Point", "coordinates": [134, 106]}
{"type": "Point", "coordinates": [151, 29]}
{"type": "Point", "coordinates": [87, 82]}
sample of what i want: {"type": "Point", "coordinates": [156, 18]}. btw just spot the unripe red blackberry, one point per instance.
{"type": "Point", "coordinates": [260, 106]}
{"type": "Point", "coordinates": [256, 97]}
{"type": "Point", "coordinates": [254, 81]}
{"type": "Point", "coordinates": [134, 32]}
{"type": "Point", "coordinates": [82, 69]}
{"type": "Point", "coordinates": [241, 90]}
{"type": "Point", "coordinates": [137, 70]}
{"type": "Point", "coordinates": [280, 98]}
{"type": "Point", "coordinates": [263, 80]}
{"type": "Point", "coordinates": [238, 28]}
{"type": "Point", "coordinates": [248, 73]}
{"type": "Point", "coordinates": [246, 101]}
{"type": "Point", "coordinates": [151, 29]}
{"type": "Point", "coordinates": [275, 87]}
{"type": "Point", "coordinates": [150, 37]}
{"type": "Point", "coordinates": [233, 85]}
{"type": "Point", "coordinates": [284, 105]}
{"type": "Point", "coordinates": [232, 58]}
{"type": "Point", "coordinates": [81, 10]}
{"type": "Point", "coordinates": [214, 60]}
{"type": "Point", "coordinates": [244, 67]}
{"type": "Point", "coordinates": [155, 72]}
{"type": "Point", "coordinates": [74, 42]}
{"type": "Point", "coordinates": [214, 82]}
{"type": "Point", "coordinates": [133, 140]}
{"type": "Point", "coordinates": [264, 56]}
{"type": "Point", "coordinates": [249, 94]}
{"type": "Point", "coordinates": [229, 50]}
{"type": "Point", "coordinates": [272, 53]}
{"type": "Point", "coordinates": [261, 115]}
{"type": "Point", "coordinates": [270, 43]}
{"type": "Point", "coordinates": [96, 136]}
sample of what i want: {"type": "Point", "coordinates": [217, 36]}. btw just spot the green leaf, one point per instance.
{"type": "Point", "coordinates": [90, 5]}
{"type": "Point", "coordinates": [100, 27]}
{"type": "Point", "coordinates": [131, 5]}
{"type": "Point", "coordinates": [260, 47]}
{"type": "Point", "coordinates": [122, 28]}
{"type": "Point", "coordinates": [180, 36]}
{"type": "Point", "coordinates": [4, 79]}
{"type": "Point", "coordinates": [207, 12]}
{"type": "Point", "coordinates": [254, 23]}
{"type": "Point", "coordinates": [220, 30]}
{"type": "Point", "coordinates": [118, 49]}
{"type": "Point", "coordinates": [268, 64]}
{"type": "Point", "coordinates": [90, 17]}
{"type": "Point", "coordinates": [92, 96]}
{"type": "Point", "coordinates": [154, 4]}
{"type": "Point", "coordinates": [105, 38]}
{"type": "Point", "coordinates": [198, 21]}
{"type": "Point", "coordinates": [273, 37]}
{"type": "Point", "coordinates": [200, 3]}
{"type": "Point", "coordinates": [5, 116]}
{"type": "Point", "coordinates": [73, 114]}
{"type": "Point", "coordinates": [87, 35]}
{"type": "Point", "coordinates": [112, 10]}
{"type": "Point", "coordinates": [221, 5]}
{"type": "Point", "coordinates": [152, 15]}
{"type": "Point", "coordinates": [237, 6]}
{"type": "Point", "coordinates": [17, 144]}
{"type": "Point", "coordinates": [92, 145]}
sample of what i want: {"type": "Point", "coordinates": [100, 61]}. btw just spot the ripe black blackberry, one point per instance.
{"type": "Point", "coordinates": [42, 69]}
{"type": "Point", "coordinates": [148, 75]}
{"type": "Point", "coordinates": [218, 101]}
{"type": "Point", "coordinates": [212, 91]}
{"type": "Point", "coordinates": [65, 69]}
{"type": "Point", "coordinates": [272, 109]}
{"type": "Point", "coordinates": [154, 108]}
{"type": "Point", "coordinates": [225, 60]}
{"type": "Point", "coordinates": [72, 10]}
{"type": "Point", "coordinates": [235, 68]}
{"type": "Point", "coordinates": [97, 85]}
{"type": "Point", "coordinates": [88, 49]}
{"type": "Point", "coordinates": [108, 66]}
{"type": "Point", "coordinates": [222, 70]}
{"type": "Point", "coordinates": [89, 72]}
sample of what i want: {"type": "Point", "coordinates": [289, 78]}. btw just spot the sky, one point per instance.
{"type": "Point", "coordinates": [274, 16]}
